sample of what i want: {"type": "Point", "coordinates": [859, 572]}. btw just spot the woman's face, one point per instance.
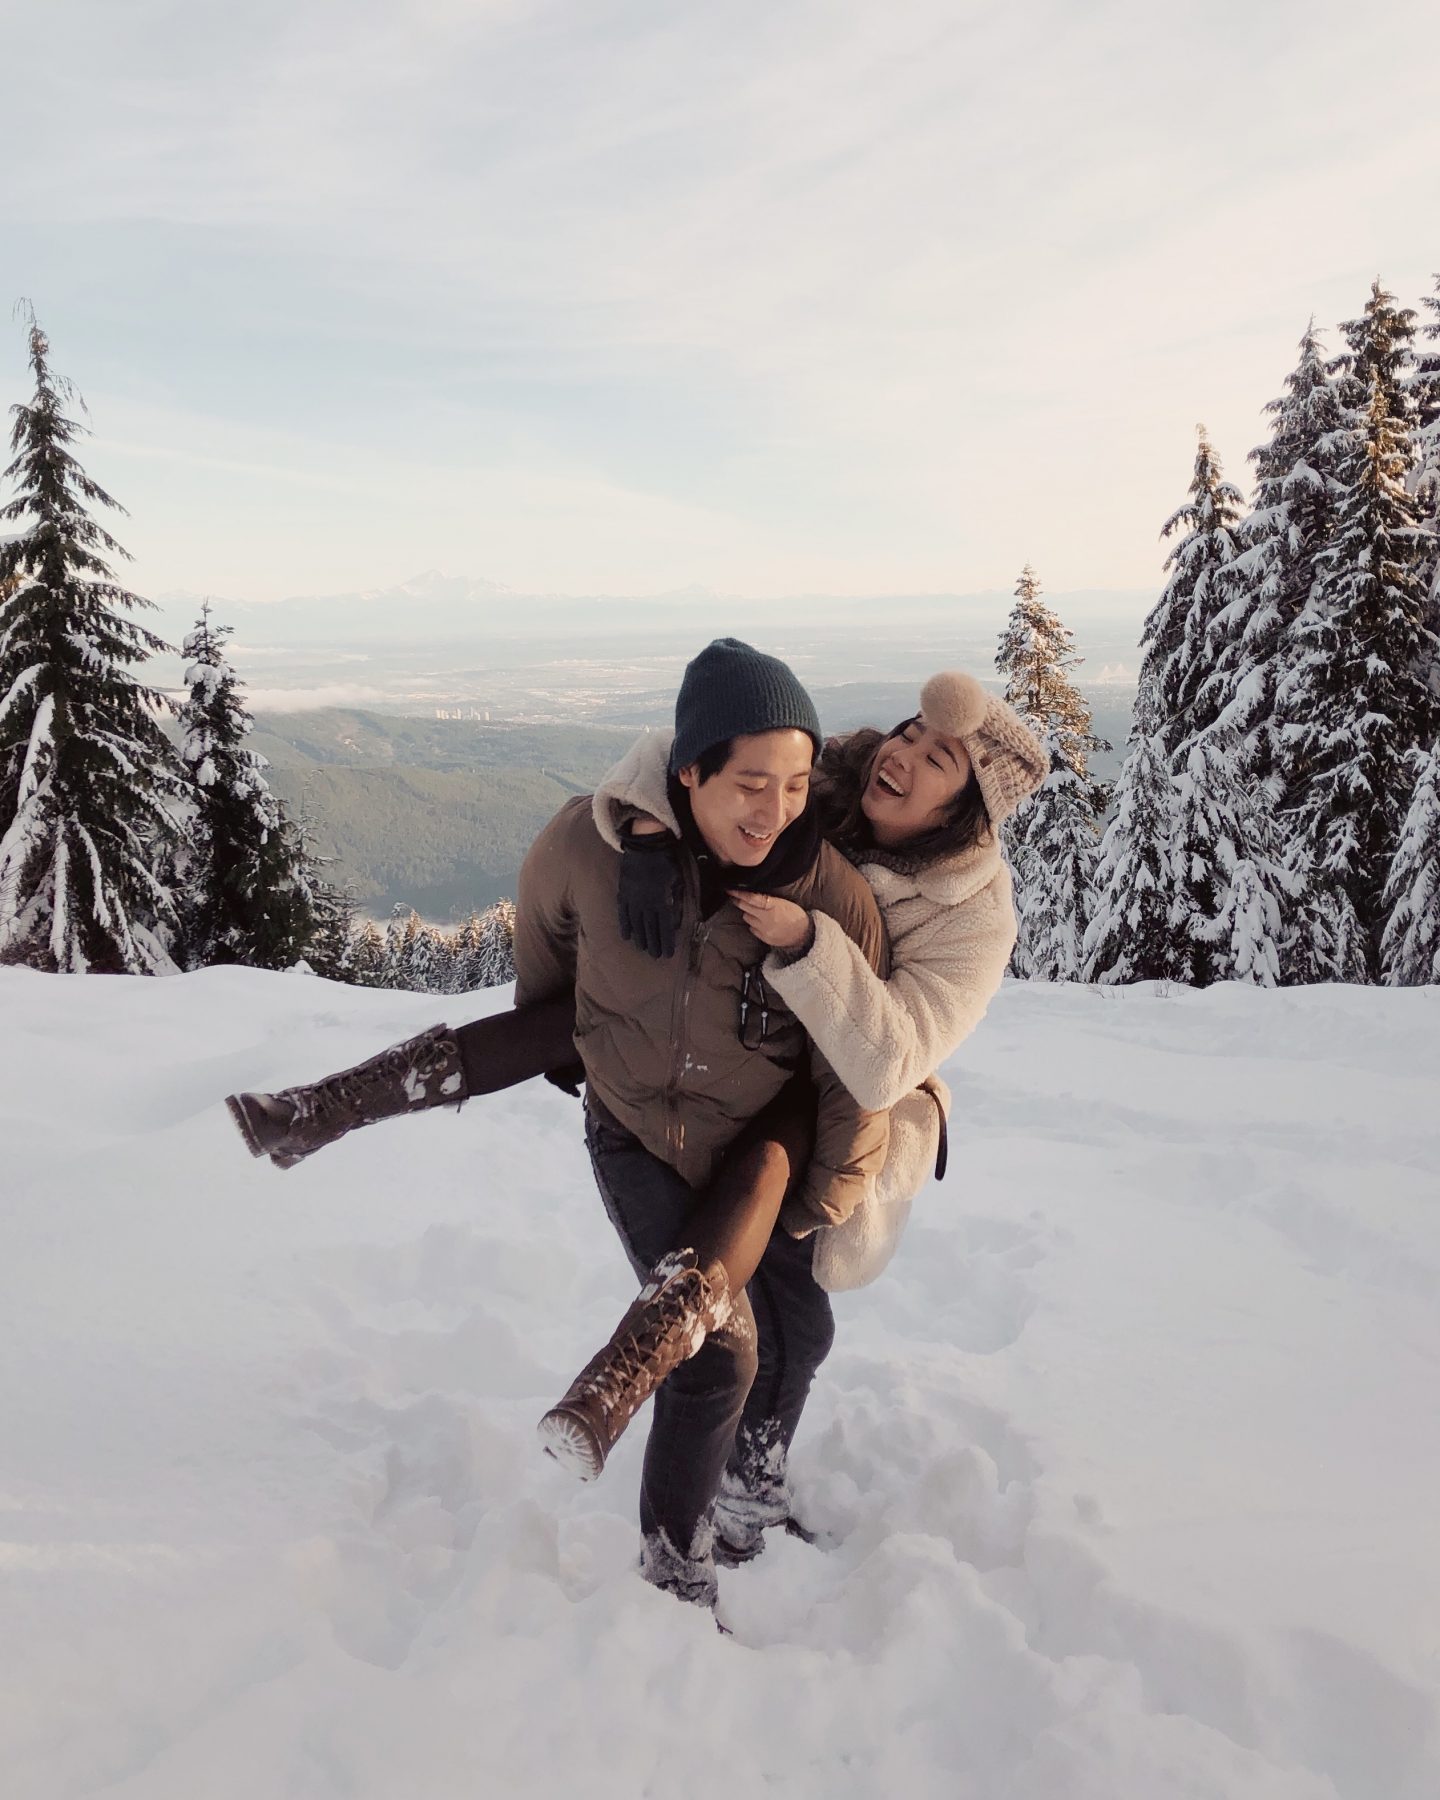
{"type": "Point", "coordinates": [913, 779]}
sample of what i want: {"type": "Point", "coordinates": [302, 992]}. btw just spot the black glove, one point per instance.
{"type": "Point", "coordinates": [650, 892]}
{"type": "Point", "coordinates": [569, 1080]}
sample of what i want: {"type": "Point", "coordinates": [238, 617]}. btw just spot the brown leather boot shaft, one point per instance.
{"type": "Point", "coordinates": [292, 1124]}
{"type": "Point", "coordinates": [676, 1310]}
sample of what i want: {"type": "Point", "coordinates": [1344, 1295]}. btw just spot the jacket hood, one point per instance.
{"type": "Point", "coordinates": [639, 782]}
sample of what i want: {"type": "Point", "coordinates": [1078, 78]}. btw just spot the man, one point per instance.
{"type": "Point", "coordinates": [680, 1053]}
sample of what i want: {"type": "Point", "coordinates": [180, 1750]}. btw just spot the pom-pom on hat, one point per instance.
{"type": "Point", "coordinates": [1009, 760]}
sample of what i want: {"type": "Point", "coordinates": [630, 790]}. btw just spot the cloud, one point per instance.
{"type": "Point", "coordinates": [288, 700]}
{"type": "Point", "coordinates": [246, 653]}
{"type": "Point", "coordinates": [770, 296]}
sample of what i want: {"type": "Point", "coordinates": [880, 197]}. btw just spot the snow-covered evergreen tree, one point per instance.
{"type": "Point", "coordinates": [1177, 640]}
{"type": "Point", "coordinates": [1231, 889]}
{"type": "Point", "coordinates": [1275, 569]}
{"type": "Point", "coordinates": [365, 956]}
{"type": "Point", "coordinates": [1129, 937]}
{"type": "Point", "coordinates": [1378, 352]}
{"type": "Point", "coordinates": [466, 950]}
{"type": "Point", "coordinates": [1202, 854]}
{"type": "Point", "coordinates": [429, 967]}
{"type": "Point", "coordinates": [401, 935]}
{"type": "Point", "coordinates": [335, 933]}
{"type": "Point", "coordinates": [496, 961]}
{"type": "Point", "coordinates": [1055, 846]}
{"type": "Point", "coordinates": [1246, 932]}
{"type": "Point", "coordinates": [245, 897]}
{"type": "Point", "coordinates": [1410, 946]}
{"type": "Point", "coordinates": [478, 953]}
{"type": "Point", "coordinates": [87, 777]}
{"type": "Point", "coordinates": [1035, 656]}
{"type": "Point", "coordinates": [1425, 377]}
{"type": "Point", "coordinates": [1359, 698]}
{"type": "Point", "coordinates": [1053, 841]}
{"type": "Point", "coordinates": [1425, 397]}
{"type": "Point", "coordinates": [415, 954]}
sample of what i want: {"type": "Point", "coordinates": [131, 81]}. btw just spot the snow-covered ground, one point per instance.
{"type": "Point", "coordinates": [1134, 1454]}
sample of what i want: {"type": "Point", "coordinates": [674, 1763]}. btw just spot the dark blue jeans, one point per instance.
{"type": "Point", "coordinates": [753, 1374]}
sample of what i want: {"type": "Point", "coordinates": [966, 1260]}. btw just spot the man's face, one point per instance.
{"type": "Point", "coordinates": [763, 788]}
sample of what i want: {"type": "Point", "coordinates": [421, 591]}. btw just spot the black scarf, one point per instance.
{"type": "Point", "coordinates": [895, 860]}
{"type": "Point", "coordinates": [793, 854]}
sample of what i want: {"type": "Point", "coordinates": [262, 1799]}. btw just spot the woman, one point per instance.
{"type": "Point", "coordinates": [919, 811]}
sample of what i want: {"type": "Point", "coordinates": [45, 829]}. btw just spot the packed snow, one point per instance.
{"type": "Point", "coordinates": [1130, 1461]}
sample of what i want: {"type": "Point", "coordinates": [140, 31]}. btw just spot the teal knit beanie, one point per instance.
{"type": "Point", "coordinates": [731, 690]}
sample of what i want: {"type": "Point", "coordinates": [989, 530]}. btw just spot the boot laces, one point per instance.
{"type": "Point", "coordinates": [347, 1093]}
{"type": "Point", "coordinates": [633, 1355]}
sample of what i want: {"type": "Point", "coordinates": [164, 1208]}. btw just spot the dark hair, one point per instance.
{"type": "Point", "coordinates": [712, 760]}
{"type": "Point", "coordinates": [842, 777]}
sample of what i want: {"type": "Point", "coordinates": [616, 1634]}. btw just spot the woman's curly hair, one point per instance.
{"type": "Point", "coordinates": [841, 777]}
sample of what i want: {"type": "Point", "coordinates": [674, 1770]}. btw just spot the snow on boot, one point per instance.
{"type": "Point", "coordinates": [754, 1495]}
{"type": "Point", "coordinates": [290, 1125]}
{"type": "Point", "coordinates": [689, 1577]}
{"type": "Point", "coordinates": [676, 1310]}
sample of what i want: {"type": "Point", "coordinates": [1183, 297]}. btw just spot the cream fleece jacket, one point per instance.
{"type": "Point", "coordinates": [951, 928]}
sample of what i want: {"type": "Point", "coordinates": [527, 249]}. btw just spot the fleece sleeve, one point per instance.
{"type": "Point", "coordinates": [883, 1037]}
{"type": "Point", "coordinates": [851, 1141]}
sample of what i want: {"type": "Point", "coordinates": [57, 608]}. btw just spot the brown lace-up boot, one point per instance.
{"type": "Point", "coordinates": [293, 1124]}
{"type": "Point", "coordinates": [677, 1309]}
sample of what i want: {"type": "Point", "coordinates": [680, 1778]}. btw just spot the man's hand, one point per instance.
{"type": "Point", "coordinates": [779, 923]}
{"type": "Point", "coordinates": [650, 889]}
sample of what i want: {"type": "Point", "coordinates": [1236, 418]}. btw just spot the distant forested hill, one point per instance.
{"type": "Point", "coordinates": [434, 814]}
{"type": "Point", "coordinates": [442, 841]}
{"type": "Point", "coordinates": [342, 737]}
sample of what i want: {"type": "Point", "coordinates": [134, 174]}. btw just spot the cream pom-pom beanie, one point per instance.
{"type": "Point", "coordinates": [1009, 760]}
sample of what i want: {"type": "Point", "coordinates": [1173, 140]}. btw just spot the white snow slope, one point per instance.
{"type": "Point", "coordinates": [1134, 1454]}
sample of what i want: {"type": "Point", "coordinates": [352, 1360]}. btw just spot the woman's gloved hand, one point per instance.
{"type": "Point", "coordinates": [650, 890]}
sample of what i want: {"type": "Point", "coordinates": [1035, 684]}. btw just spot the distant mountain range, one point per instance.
{"type": "Point", "coordinates": [438, 607]}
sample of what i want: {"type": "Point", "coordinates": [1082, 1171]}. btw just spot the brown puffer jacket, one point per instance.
{"type": "Point", "coordinates": [661, 1039]}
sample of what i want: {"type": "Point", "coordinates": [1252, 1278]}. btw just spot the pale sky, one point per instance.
{"type": "Point", "coordinates": [774, 296]}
